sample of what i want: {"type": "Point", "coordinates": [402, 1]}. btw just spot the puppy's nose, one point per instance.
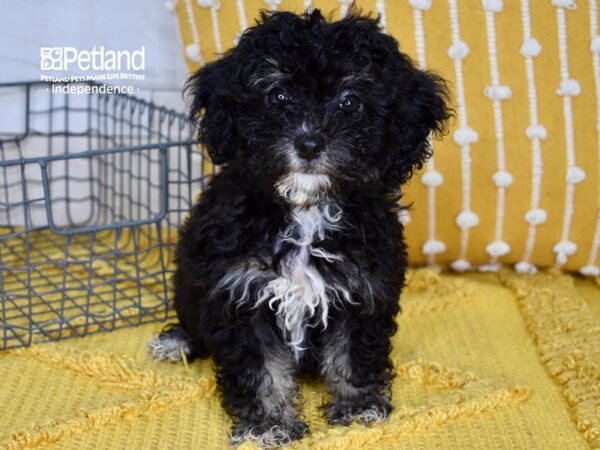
{"type": "Point", "coordinates": [309, 146]}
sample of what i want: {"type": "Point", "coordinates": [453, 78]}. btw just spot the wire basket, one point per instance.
{"type": "Point", "coordinates": [92, 191]}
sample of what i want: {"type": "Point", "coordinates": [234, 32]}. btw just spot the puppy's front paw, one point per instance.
{"type": "Point", "coordinates": [171, 345]}
{"type": "Point", "coordinates": [371, 408]}
{"type": "Point", "coordinates": [268, 434]}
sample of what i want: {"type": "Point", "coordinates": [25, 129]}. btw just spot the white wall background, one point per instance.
{"type": "Point", "coordinates": [27, 25]}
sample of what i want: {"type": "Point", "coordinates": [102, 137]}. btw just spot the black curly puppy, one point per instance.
{"type": "Point", "coordinates": [293, 259]}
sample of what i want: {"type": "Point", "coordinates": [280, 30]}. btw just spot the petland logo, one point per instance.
{"type": "Point", "coordinates": [97, 59]}
{"type": "Point", "coordinates": [102, 65]}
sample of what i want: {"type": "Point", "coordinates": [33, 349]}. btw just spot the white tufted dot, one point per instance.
{"type": "Point", "coordinates": [492, 5]}
{"type": "Point", "coordinates": [497, 248]}
{"type": "Point", "coordinates": [569, 4]}
{"type": "Point", "coordinates": [432, 178]}
{"type": "Point", "coordinates": [491, 267]}
{"type": "Point", "coordinates": [460, 265]}
{"type": "Point", "coordinates": [595, 44]}
{"type": "Point", "coordinates": [502, 178]}
{"type": "Point", "coordinates": [574, 175]}
{"type": "Point", "coordinates": [170, 5]}
{"type": "Point", "coordinates": [590, 271]}
{"type": "Point", "coordinates": [497, 92]}
{"type": "Point", "coordinates": [192, 52]}
{"type": "Point", "coordinates": [458, 50]}
{"type": "Point", "coordinates": [425, 5]}
{"type": "Point", "coordinates": [530, 48]}
{"type": "Point", "coordinates": [569, 87]}
{"type": "Point", "coordinates": [207, 3]}
{"type": "Point", "coordinates": [464, 136]}
{"type": "Point", "coordinates": [536, 216]}
{"type": "Point", "coordinates": [433, 246]}
{"type": "Point", "coordinates": [466, 219]}
{"type": "Point", "coordinates": [236, 38]}
{"type": "Point", "coordinates": [525, 267]}
{"type": "Point", "coordinates": [564, 249]}
{"type": "Point", "coordinates": [403, 216]}
{"type": "Point", "coordinates": [536, 132]}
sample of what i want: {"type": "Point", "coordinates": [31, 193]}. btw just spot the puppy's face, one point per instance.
{"type": "Point", "coordinates": [312, 109]}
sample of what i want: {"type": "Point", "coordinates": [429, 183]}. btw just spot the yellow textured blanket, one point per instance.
{"type": "Point", "coordinates": [482, 361]}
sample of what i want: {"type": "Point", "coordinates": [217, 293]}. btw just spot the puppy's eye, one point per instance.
{"type": "Point", "coordinates": [279, 98]}
{"type": "Point", "coordinates": [350, 103]}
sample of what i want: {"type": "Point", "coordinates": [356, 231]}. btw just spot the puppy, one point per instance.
{"type": "Point", "coordinates": [293, 259]}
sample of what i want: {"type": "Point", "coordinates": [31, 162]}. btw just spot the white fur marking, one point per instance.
{"type": "Point", "coordinates": [239, 279]}
{"type": "Point", "coordinates": [275, 437]}
{"type": "Point", "coordinates": [300, 290]}
{"type": "Point", "coordinates": [303, 188]}
{"type": "Point", "coordinates": [168, 348]}
{"type": "Point", "coordinates": [297, 291]}
{"type": "Point", "coordinates": [373, 414]}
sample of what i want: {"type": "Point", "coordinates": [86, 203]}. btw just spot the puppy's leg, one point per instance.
{"type": "Point", "coordinates": [174, 343]}
{"type": "Point", "coordinates": [356, 367]}
{"type": "Point", "coordinates": [256, 380]}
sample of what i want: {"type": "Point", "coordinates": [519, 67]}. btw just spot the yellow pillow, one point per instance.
{"type": "Point", "coordinates": [516, 180]}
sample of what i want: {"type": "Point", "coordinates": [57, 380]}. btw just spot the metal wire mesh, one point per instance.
{"type": "Point", "coordinates": [92, 191]}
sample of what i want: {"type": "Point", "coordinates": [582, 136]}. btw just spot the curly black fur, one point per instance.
{"type": "Point", "coordinates": [293, 259]}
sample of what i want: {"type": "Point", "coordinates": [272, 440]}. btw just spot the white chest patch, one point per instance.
{"type": "Point", "coordinates": [300, 296]}
{"type": "Point", "coordinates": [303, 188]}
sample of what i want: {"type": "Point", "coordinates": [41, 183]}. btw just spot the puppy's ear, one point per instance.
{"type": "Point", "coordinates": [419, 109]}
{"type": "Point", "coordinates": [211, 91]}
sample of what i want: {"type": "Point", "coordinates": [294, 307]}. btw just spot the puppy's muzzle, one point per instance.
{"type": "Point", "coordinates": [309, 146]}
